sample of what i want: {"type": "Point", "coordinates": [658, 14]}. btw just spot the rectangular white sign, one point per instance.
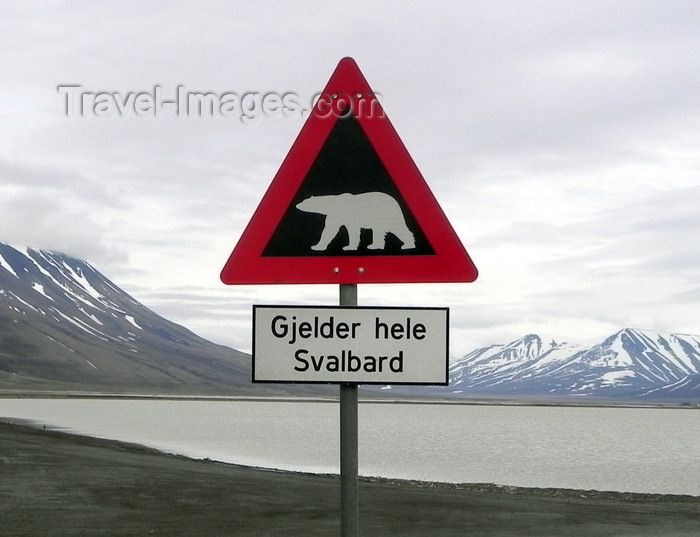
{"type": "Point", "coordinates": [325, 344]}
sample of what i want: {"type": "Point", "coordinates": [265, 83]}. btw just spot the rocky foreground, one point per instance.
{"type": "Point", "coordinates": [58, 484]}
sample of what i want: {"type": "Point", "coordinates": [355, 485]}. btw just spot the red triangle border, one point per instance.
{"type": "Point", "coordinates": [450, 263]}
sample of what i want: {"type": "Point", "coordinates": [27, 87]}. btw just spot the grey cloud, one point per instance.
{"type": "Point", "coordinates": [561, 138]}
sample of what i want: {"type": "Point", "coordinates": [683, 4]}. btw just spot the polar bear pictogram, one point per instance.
{"type": "Point", "coordinates": [376, 211]}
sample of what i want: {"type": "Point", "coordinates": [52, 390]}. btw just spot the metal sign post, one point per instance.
{"type": "Point", "coordinates": [349, 508]}
{"type": "Point", "coordinates": [348, 169]}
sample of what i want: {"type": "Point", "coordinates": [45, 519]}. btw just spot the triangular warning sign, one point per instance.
{"type": "Point", "coordinates": [348, 204]}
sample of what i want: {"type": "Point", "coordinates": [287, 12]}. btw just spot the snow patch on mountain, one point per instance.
{"type": "Point", "coordinates": [131, 319]}
{"type": "Point", "coordinates": [4, 264]}
{"type": "Point", "coordinates": [40, 289]}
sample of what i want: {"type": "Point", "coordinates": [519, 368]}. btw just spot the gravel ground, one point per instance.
{"type": "Point", "coordinates": [58, 484]}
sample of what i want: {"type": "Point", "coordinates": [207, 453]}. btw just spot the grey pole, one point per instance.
{"type": "Point", "coordinates": [349, 509]}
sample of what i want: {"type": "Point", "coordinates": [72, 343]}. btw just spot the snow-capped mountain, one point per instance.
{"type": "Point", "coordinates": [639, 363]}
{"type": "Point", "coordinates": [63, 325]}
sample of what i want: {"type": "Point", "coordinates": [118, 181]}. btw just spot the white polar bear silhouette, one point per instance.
{"type": "Point", "coordinates": [376, 211]}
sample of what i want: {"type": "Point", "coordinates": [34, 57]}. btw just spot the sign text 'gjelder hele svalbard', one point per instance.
{"type": "Point", "coordinates": [323, 344]}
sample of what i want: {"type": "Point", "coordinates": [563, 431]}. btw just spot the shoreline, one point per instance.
{"type": "Point", "coordinates": [58, 483]}
{"type": "Point", "coordinates": [457, 486]}
{"type": "Point", "coordinates": [364, 399]}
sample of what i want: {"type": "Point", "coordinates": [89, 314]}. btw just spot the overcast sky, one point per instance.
{"type": "Point", "coordinates": [562, 140]}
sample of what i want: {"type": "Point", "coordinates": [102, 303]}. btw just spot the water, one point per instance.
{"type": "Point", "coordinates": [624, 449]}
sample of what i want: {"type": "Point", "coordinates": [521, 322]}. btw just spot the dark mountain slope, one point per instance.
{"type": "Point", "coordinates": [65, 325]}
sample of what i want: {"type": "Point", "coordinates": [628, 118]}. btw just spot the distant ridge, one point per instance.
{"type": "Point", "coordinates": [631, 363]}
{"type": "Point", "coordinates": [63, 325]}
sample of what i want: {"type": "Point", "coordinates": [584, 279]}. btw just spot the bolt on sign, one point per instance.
{"type": "Point", "coordinates": [321, 344]}
{"type": "Point", "coordinates": [348, 205]}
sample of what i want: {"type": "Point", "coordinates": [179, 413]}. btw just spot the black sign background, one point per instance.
{"type": "Point", "coordinates": [347, 163]}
